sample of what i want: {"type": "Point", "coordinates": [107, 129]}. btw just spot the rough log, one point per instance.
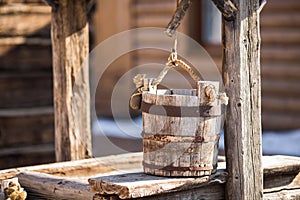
{"type": "Point", "coordinates": [241, 75]}
{"type": "Point", "coordinates": [54, 187]}
{"type": "Point", "coordinates": [71, 80]}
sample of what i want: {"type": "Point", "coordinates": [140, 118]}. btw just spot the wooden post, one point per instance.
{"type": "Point", "coordinates": [70, 49]}
{"type": "Point", "coordinates": [241, 75]}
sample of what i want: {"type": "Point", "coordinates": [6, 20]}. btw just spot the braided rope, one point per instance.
{"type": "Point", "coordinates": [210, 92]}
{"type": "Point", "coordinates": [173, 61]}
{"type": "Point", "coordinates": [187, 68]}
{"type": "Point", "coordinates": [142, 83]}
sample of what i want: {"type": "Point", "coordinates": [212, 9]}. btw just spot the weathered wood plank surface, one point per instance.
{"type": "Point", "coordinates": [241, 75]}
{"type": "Point", "coordinates": [209, 192]}
{"type": "Point", "coordinates": [136, 185]}
{"type": "Point", "coordinates": [281, 180]}
{"type": "Point", "coordinates": [279, 170]}
{"type": "Point", "coordinates": [54, 187]}
{"type": "Point", "coordinates": [71, 80]}
{"type": "Point", "coordinates": [285, 194]}
{"type": "Point", "coordinates": [86, 167]}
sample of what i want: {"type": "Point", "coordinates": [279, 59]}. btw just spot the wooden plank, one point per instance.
{"type": "Point", "coordinates": [280, 70]}
{"type": "Point", "coordinates": [277, 169]}
{"type": "Point", "coordinates": [283, 105]}
{"type": "Point", "coordinates": [27, 41]}
{"type": "Point", "coordinates": [281, 53]}
{"type": "Point", "coordinates": [26, 57]}
{"type": "Point", "coordinates": [13, 8]}
{"type": "Point", "coordinates": [280, 121]}
{"type": "Point", "coordinates": [274, 165]}
{"type": "Point", "coordinates": [241, 75]}
{"type": "Point", "coordinates": [281, 6]}
{"type": "Point", "coordinates": [213, 191]}
{"type": "Point", "coordinates": [53, 187]}
{"type": "Point", "coordinates": [26, 155]}
{"type": "Point", "coordinates": [288, 194]}
{"type": "Point", "coordinates": [135, 185]}
{"type": "Point", "coordinates": [26, 112]}
{"type": "Point", "coordinates": [24, 127]}
{"type": "Point", "coordinates": [281, 88]}
{"type": "Point", "coordinates": [71, 80]}
{"type": "Point", "coordinates": [278, 35]}
{"type": "Point", "coordinates": [16, 89]}
{"type": "Point", "coordinates": [16, 20]}
{"type": "Point", "coordinates": [278, 185]}
{"type": "Point", "coordinates": [85, 167]}
{"type": "Point", "coordinates": [281, 19]}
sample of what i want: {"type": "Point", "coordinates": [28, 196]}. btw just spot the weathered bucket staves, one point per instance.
{"type": "Point", "coordinates": [181, 130]}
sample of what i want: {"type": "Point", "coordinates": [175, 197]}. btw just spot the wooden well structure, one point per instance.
{"type": "Point", "coordinates": [240, 177]}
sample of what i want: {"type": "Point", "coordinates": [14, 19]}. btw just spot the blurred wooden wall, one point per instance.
{"type": "Point", "coordinates": [26, 112]}
{"type": "Point", "coordinates": [26, 93]}
{"type": "Point", "coordinates": [280, 61]}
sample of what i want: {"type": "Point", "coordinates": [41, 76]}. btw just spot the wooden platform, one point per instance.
{"type": "Point", "coordinates": [121, 177]}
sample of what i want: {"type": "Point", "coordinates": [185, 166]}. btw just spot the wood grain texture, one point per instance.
{"type": "Point", "coordinates": [280, 172]}
{"type": "Point", "coordinates": [227, 8]}
{"type": "Point", "coordinates": [82, 168]}
{"type": "Point", "coordinates": [241, 75]}
{"type": "Point", "coordinates": [180, 145]}
{"type": "Point", "coordinates": [71, 80]}
{"type": "Point", "coordinates": [53, 187]}
{"type": "Point", "coordinates": [135, 185]}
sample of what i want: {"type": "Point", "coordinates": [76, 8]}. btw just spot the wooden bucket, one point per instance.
{"type": "Point", "coordinates": [181, 130]}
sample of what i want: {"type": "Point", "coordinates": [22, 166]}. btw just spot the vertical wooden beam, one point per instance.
{"type": "Point", "coordinates": [241, 75]}
{"type": "Point", "coordinates": [70, 49]}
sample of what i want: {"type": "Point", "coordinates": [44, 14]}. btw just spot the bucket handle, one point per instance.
{"type": "Point", "coordinates": [173, 61]}
{"type": "Point", "coordinates": [144, 84]}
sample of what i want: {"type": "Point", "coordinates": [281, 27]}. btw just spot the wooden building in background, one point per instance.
{"type": "Point", "coordinates": [26, 99]}
{"type": "Point", "coordinates": [26, 84]}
